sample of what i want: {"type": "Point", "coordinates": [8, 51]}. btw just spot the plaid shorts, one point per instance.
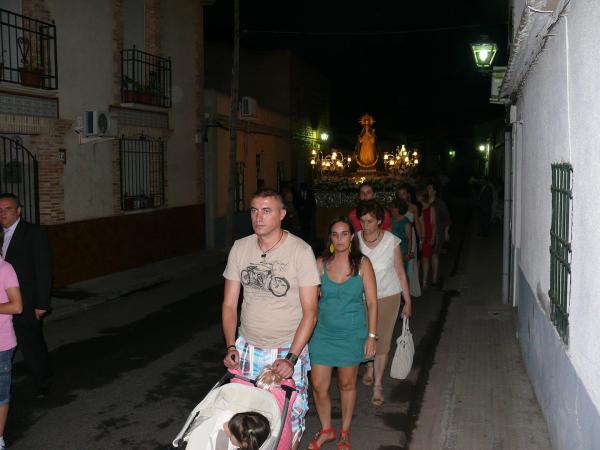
{"type": "Point", "coordinates": [252, 361]}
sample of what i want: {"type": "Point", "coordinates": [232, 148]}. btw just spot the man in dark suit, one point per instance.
{"type": "Point", "coordinates": [26, 248]}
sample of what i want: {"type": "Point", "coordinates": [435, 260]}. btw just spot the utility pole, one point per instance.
{"type": "Point", "coordinates": [233, 115]}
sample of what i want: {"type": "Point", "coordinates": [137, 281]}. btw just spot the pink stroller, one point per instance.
{"type": "Point", "coordinates": [234, 393]}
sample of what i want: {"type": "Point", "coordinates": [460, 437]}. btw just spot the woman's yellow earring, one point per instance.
{"type": "Point", "coordinates": [331, 248]}
{"type": "Point", "coordinates": [350, 247]}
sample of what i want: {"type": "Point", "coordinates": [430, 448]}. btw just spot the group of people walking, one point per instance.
{"type": "Point", "coordinates": [302, 314]}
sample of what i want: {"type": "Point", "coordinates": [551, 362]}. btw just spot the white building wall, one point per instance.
{"type": "Point", "coordinates": [85, 60]}
{"type": "Point", "coordinates": [544, 113]}
{"type": "Point", "coordinates": [179, 26]}
{"type": "Point", "coordinates": [584, 92]}
{"type": "Point", "coordinates": [559, 106]}
{"type": "Point", "coordinates": [85, 64]}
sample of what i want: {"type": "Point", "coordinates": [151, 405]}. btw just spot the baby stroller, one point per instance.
{"type": "Point", "coordinates": [232, 394]}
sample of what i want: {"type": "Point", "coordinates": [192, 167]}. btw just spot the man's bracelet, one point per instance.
{"type": "Point", "coordinates": [230, 346]}
{"type": "Point", "coordinates": [292, 358]}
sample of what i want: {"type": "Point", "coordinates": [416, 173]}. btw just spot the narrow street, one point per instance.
{"type": "Point", "coordinates": [129, 371]}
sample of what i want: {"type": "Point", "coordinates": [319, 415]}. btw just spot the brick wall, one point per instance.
{"type": "Point", "coordinates": [50, 171]}
{"type": "Point", "coordinates": [152, 30]}
{"type": "Point", "coordinates": [36, 9]}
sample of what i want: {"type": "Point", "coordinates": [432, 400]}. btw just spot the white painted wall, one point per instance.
{"type": "Point", "coordinates": [179, 26]}
{"type": "Point", "coordinates": [584, 93]}
{"type": "Point", "coordinates": [560, 109]}
{"type": "Point", "coordinates": [85, 64]}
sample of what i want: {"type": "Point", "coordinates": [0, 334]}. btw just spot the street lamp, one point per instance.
{"type": "Point", "coordinates": [484, 52]}
{"type": "Point", "coordinates": [324, 137]}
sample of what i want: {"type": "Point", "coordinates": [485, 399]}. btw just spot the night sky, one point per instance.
{"type": "Point", "coordinates": [407, 63]}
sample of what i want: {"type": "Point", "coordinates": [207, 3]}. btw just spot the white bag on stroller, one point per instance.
{"type": "Point", "coordinates": [225, 400]}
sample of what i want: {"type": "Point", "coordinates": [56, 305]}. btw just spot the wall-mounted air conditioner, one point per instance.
{"type": "Point", "coordinates": [248, 107]}
{"type": "Point", "coordinates": [99, 124]}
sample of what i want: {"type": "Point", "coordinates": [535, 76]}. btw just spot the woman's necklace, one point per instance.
{"type": "Point", "coordinates": [370, 242]}
{"type": "Point", "coordinates": [264, 252]}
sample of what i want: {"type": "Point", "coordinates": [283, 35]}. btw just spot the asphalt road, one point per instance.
{"type": "Point", "coordinates": [128, 372]}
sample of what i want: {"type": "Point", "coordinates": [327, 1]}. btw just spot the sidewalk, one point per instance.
{"type": "Point", "coordinates": [87, 294]}
{"type": "Point", "coordinates": [478, 394]}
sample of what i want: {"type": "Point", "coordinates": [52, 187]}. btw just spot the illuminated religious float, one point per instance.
{"type": "Point", "coordinates": [338, 175]}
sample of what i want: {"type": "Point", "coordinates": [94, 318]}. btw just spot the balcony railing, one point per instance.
{"type": "Point", "coordinates": [28, 49]}
{"type": "Point", "coordinates": [146, 78]}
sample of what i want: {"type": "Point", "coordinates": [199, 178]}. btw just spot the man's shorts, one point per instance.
{"type": "Point", "coordinates": [252, 361]}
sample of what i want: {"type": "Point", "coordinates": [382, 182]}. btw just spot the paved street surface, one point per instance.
{"type": "Point", "coordinates": [479, 396]}
{"type": "Point", "coordinates": [134, 352]}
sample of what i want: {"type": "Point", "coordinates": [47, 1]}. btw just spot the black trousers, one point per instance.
{"type": "Point", "coordinates": [32, 344]}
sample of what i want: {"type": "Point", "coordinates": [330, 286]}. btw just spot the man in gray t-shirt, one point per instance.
{"type": "Point", "coordinates": [280, 278]}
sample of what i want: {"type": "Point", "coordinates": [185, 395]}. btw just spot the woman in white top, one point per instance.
{"type": "Point", "coordinates": [383, 249]}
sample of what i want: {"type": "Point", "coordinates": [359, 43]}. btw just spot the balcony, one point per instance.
{"type": "Point", "coordinates": [146, 78]}
{"type": "Point", "coordinates": [28, 49]}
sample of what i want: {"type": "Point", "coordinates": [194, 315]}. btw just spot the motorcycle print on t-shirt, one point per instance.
{"type": "Point", "coordinates": [261, 278]}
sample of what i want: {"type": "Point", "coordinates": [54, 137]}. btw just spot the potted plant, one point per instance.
{"type": "Point", "coordinates": [30, 73]}
{"type": "Point", "coordinates": [131, 90]}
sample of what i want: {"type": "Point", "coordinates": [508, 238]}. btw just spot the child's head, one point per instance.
{"type": "Point", "coordinates": [401, 206]}
{"type": "Point", "coordinates": [247, 430]}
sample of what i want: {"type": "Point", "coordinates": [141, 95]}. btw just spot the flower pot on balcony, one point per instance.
{"type": "Point", "coordinates": [147, 98]}
{"type": "Point", "coordinates": [127, 203]}
{"type": "Point", "coordinates": [130, 97]}
{"type": "Point", "coordinates": [31, 76]}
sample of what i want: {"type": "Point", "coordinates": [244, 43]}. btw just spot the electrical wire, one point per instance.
{"type": "Point", "coordinates": [370, 33]}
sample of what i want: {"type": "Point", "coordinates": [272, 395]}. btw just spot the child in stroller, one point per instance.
{"type": "Point", "coordinates": [269, 396]}
{"type": "Point", "coordinates": [247, 430]}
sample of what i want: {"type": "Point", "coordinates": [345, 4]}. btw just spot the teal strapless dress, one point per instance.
{"type": "Point", "coordinates": [341, 330]}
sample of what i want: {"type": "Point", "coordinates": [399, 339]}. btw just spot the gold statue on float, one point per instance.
{"type": "Point", "coordinates": [367, 143]}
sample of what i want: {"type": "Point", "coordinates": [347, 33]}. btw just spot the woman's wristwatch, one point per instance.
{"type": "Point", "coordinates": [374, 336]}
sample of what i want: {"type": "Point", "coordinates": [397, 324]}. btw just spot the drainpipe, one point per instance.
{"type": "Point", "coordinates": [506, 216]}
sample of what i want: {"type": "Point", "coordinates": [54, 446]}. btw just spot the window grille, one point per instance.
{"type": "Point", "coordinates": [27, 51]}
{"type": "Point", "coordinates": [142, 173]}
{"type": "Point", "coordinates": [19, 176]}
{"type": "Point", "coordinates": [146, 78]}
{"type": "Point", "coordinates": [239, 186]}
{"type": "Point", "coordinates": [560, 247]}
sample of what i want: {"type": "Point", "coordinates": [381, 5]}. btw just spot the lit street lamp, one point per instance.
{"type": "Point", "coordinates": [483, 53]}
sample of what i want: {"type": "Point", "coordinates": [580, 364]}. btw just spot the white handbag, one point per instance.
{"type": "Point", "coordinates": [405, 351]}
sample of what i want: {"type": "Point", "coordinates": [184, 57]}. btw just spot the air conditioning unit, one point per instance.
{"type": "Point", "coordinates": [99, 124]}
{"type": "Point", "coordinates": [248, 107]}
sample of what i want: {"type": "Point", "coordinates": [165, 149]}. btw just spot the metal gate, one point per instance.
{"type": "Point", "coordinates": [19, 176]}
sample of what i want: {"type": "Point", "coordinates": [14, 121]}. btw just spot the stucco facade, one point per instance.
{"type": "Point", "coordinates": [552, 81]}
{"type": "Point", "coordinates": [81, 194]}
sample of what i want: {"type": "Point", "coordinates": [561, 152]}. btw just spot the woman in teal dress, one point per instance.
{"type": "Point", "coordinates": [344, 335]}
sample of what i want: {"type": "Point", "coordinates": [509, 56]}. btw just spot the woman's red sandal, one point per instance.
{"type": "Point", "coordinates": [313, 444]}
{"type": "Point", "coordinates": [344, 443]}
